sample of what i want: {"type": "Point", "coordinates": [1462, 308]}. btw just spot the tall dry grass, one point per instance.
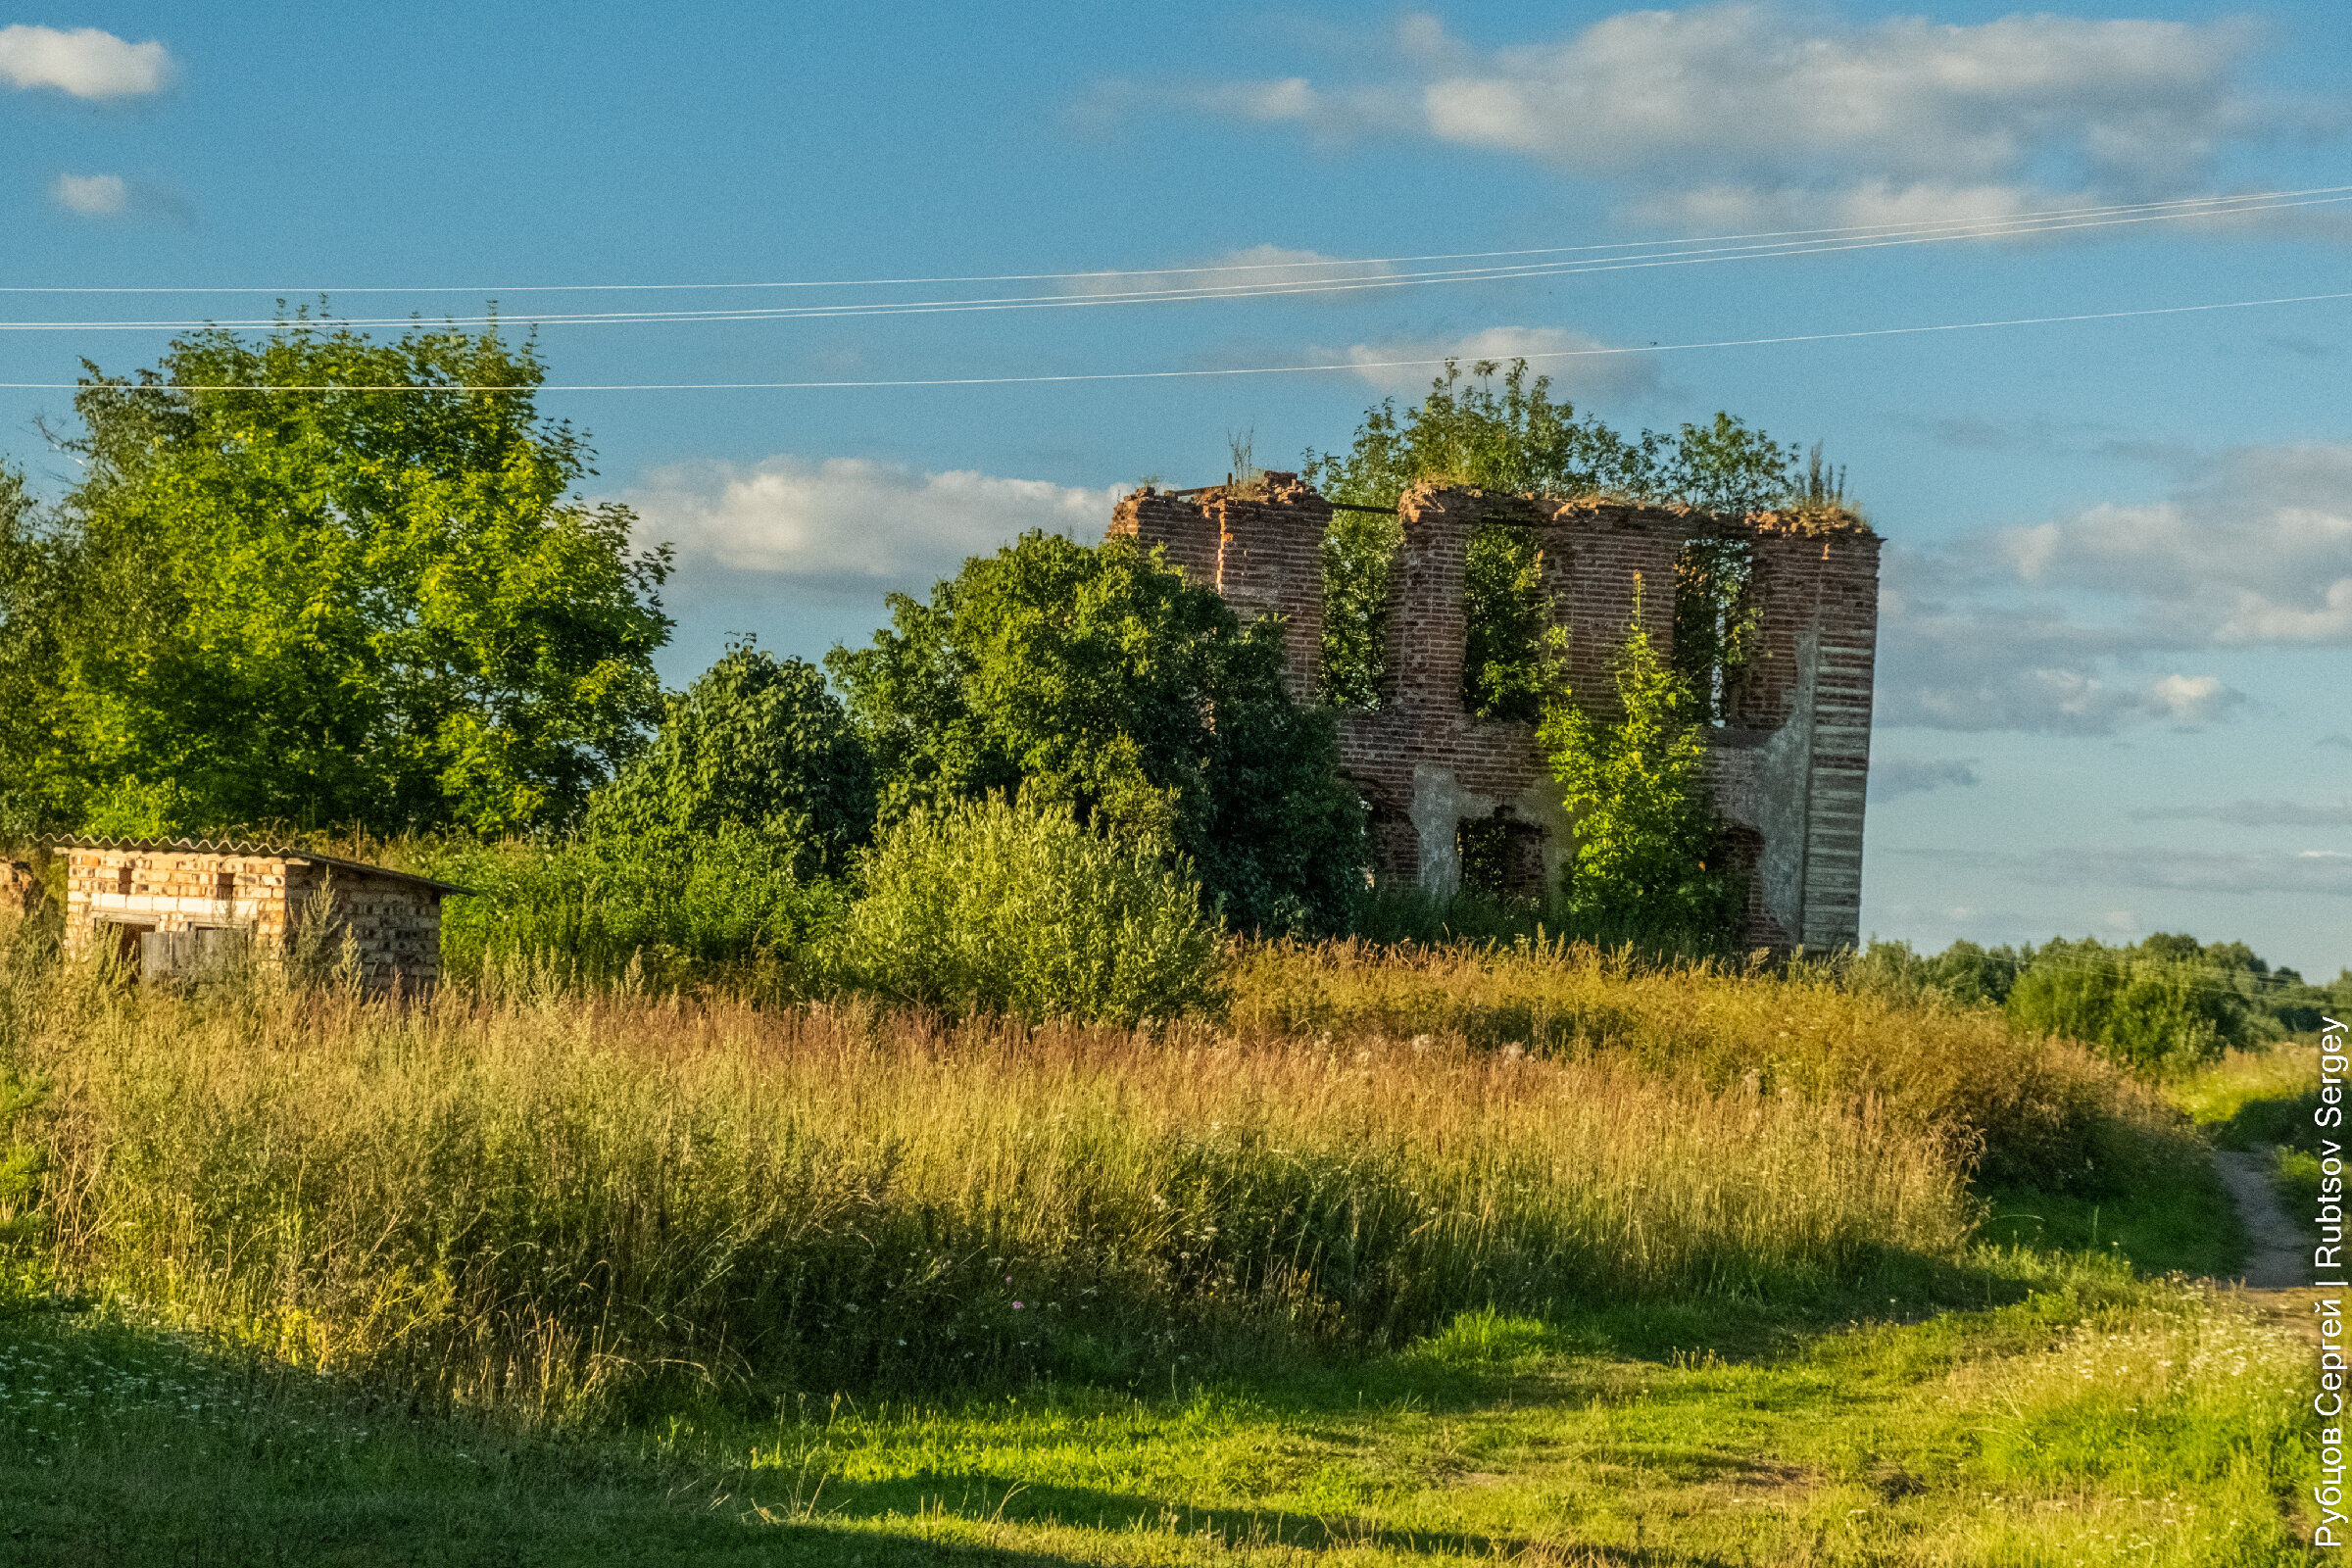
{"type": "Point", "coordinates": [2038, 1111]}
{"type": "Point", "coordinates": [580, 1206]}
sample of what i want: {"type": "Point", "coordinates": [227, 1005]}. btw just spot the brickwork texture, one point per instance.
{"type": "Point", "coordinates": [1787, 767]}
{"type": "Point", "coordinates": [391, 921]}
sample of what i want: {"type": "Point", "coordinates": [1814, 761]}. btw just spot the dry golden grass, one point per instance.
{"type": "Point", "coordinates": [2046, 1113]}
{"type": "Point", "coordinates": [564, 1203]}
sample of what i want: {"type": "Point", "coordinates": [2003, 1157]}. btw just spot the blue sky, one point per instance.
{"type": "Point", "coordinates": [2113, 674]}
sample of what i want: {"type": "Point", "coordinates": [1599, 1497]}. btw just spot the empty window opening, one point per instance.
{"type": "Point", "coordinates": [224, 886]}
{"type": "Point", "coordinates": [127, 944]}
{"type": "Point", "coordinates": [122, 880]}
{"type": "Point", "coordinates": [1716, 628]}
{"type": "Point", "coordinates": [1503, 856]}
{"type": "Point", "coordinates": [1504, 614]}
{"type": "Point", "coordinates": [1359, 551]}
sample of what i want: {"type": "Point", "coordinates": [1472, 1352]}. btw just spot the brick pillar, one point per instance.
{"type": "Point", "coordinates": [1841, 699]}
{"type": "Point", "coordinates": [1605, 547]}
{"type": "Point", "coordinates": [1182, 527]}
{"type": "Point", "coordinates": [1426, 624]}
{"type": "Point", "coordinates": [1819, 597]}
{"type": "Point", "coordinates": [1270, 562]}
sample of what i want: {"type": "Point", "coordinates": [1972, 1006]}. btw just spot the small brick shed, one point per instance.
{"type": "Point", "coordinates": [158, 900]}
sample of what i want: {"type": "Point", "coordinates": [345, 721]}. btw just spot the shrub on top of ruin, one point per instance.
{"type": "Point", "coordinates": [985, 906]}
{"type": "Point", "coordinates": [1514, 437]}
{"type": "Point", "coordinates": [1648, 845]}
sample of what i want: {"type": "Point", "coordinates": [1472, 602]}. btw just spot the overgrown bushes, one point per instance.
{"type": "Point", "coordinates": [725, 907]}
{"type": "Point", "coordinates": [2163, 1005]}
{"type": "Point", "coordinates": [988, 907]}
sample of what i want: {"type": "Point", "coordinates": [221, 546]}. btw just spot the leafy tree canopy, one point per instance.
{"type": "Point", "coordinates": [756, 743]}
{"type": "Point", "coordinates": [1095, 679]}
{"type": "Point", "coordinates": [31, 751]}
{"type": "Point", "coordinates": [375, 607]}
{"type": "Point", "coordinates": [1510, 437]}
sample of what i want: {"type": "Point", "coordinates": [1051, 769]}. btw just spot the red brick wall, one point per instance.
{"type": "Point", "coordinates": [1817, 595]}
{"type": "Point", "coordinates": [1259, 545]}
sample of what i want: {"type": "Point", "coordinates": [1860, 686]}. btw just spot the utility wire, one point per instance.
{"type": "Point", "coordinates": [2190, 206]}
{"type": "Point", "coordinates": [1346, 366]}
{"type": "Point", "coordinates": [1680, 258]}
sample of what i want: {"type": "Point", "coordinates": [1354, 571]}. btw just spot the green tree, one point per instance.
{"type": "Point", "coordinates": [1514, 437]}
{"type": "Point", "coordinates": [1648, 845]}
{"type": "Point", "coordinates": [757, 743]}
{"type": "Point", "coordinates": [376, 606]}
{"type": "Point", "coordinates": [33, 756]}
{"type": "Point", "coordinates": [2153, 1010]}
{"type": "Point", "coordinates": [1094, 680]}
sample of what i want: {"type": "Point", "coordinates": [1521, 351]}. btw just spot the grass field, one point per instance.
{"type": "Point", "coordinates": [1519, 1256]}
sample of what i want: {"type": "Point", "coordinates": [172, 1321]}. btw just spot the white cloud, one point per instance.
{"type": "Point", "coordinates": [90, 195]}
{"type": "Point", "coordinates": [2068, 625]}
{"type": "Point", "coordinates": [2255, 550]}
{"type": "Point", "coordinates": [2192, 699]}
{"type": "Point", "coordinates": [1266, 267]}
{"type": "Point", "coordinates": [2256, 813]}
{"type": "Point", "coordinates": [1577, 371]}
{"type": "Point", "coordinates": [850, 527]}
{"type": "Point", "coordinates": [1734, 115]}
{"type": "Point", "coordinates": [85, 62]}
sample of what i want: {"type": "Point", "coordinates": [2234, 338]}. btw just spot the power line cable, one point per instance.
{"type": "Point", "coordinates": [2190, 206]}
{"type": "Point", "coordinates": [1345, 366]}
{"type": "Point", "coordinates": [1140, 296]}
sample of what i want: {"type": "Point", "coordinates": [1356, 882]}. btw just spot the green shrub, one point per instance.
{"type": "Point", "coordinates": [670, 908]}
{"type": "Point", "coordinates": [991, 907]}
{"type": "Point", "coordinates": [1096, 679]}
{"type": "Point", "coordinates": [1649, 848]}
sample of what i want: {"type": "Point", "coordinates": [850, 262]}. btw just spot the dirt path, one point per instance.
{"type": "Point", "coordinates": [2277, 1281]}
{"type": "Point", "coordinates": [2275, 1255]}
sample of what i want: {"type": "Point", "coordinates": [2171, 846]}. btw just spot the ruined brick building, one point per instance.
{"type": "Point", "coordinates": [1787, 760]}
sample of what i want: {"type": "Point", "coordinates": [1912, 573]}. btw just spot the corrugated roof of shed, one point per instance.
{"type": "Point", "coordinates": [240, 847]}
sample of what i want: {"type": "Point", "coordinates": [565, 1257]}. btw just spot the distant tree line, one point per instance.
{"type": "Point", "coordinates": [2165, 1004]}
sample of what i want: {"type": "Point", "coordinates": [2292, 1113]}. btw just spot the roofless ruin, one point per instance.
{"type": "Point", "coordinates": [1789, 752]}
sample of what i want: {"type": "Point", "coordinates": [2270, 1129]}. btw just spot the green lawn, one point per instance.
{"type": "Point", "coordinates": [2094, 1414]}
{"type": "Point", "coordinates": [2055, 1402]}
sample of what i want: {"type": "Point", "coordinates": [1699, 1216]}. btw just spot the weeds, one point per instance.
{"type": "Point", "coordinates": [579, 1206]}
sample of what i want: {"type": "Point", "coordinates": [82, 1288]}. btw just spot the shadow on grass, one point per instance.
{"type": "Point", "coordinates": [985, 1497]}
{"type": "Point", "coordinates": [2285, 1120]}
{"type": "Point", "coordinates": [125, 1446]}
{"type": "Point", "coordinates": [2185, 1224]}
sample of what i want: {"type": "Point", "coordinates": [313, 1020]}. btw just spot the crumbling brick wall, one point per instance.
{"type": "Point", "coordinates": [1787, 767]}
{"type": "Point", "coordinates": [1260, 544]}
